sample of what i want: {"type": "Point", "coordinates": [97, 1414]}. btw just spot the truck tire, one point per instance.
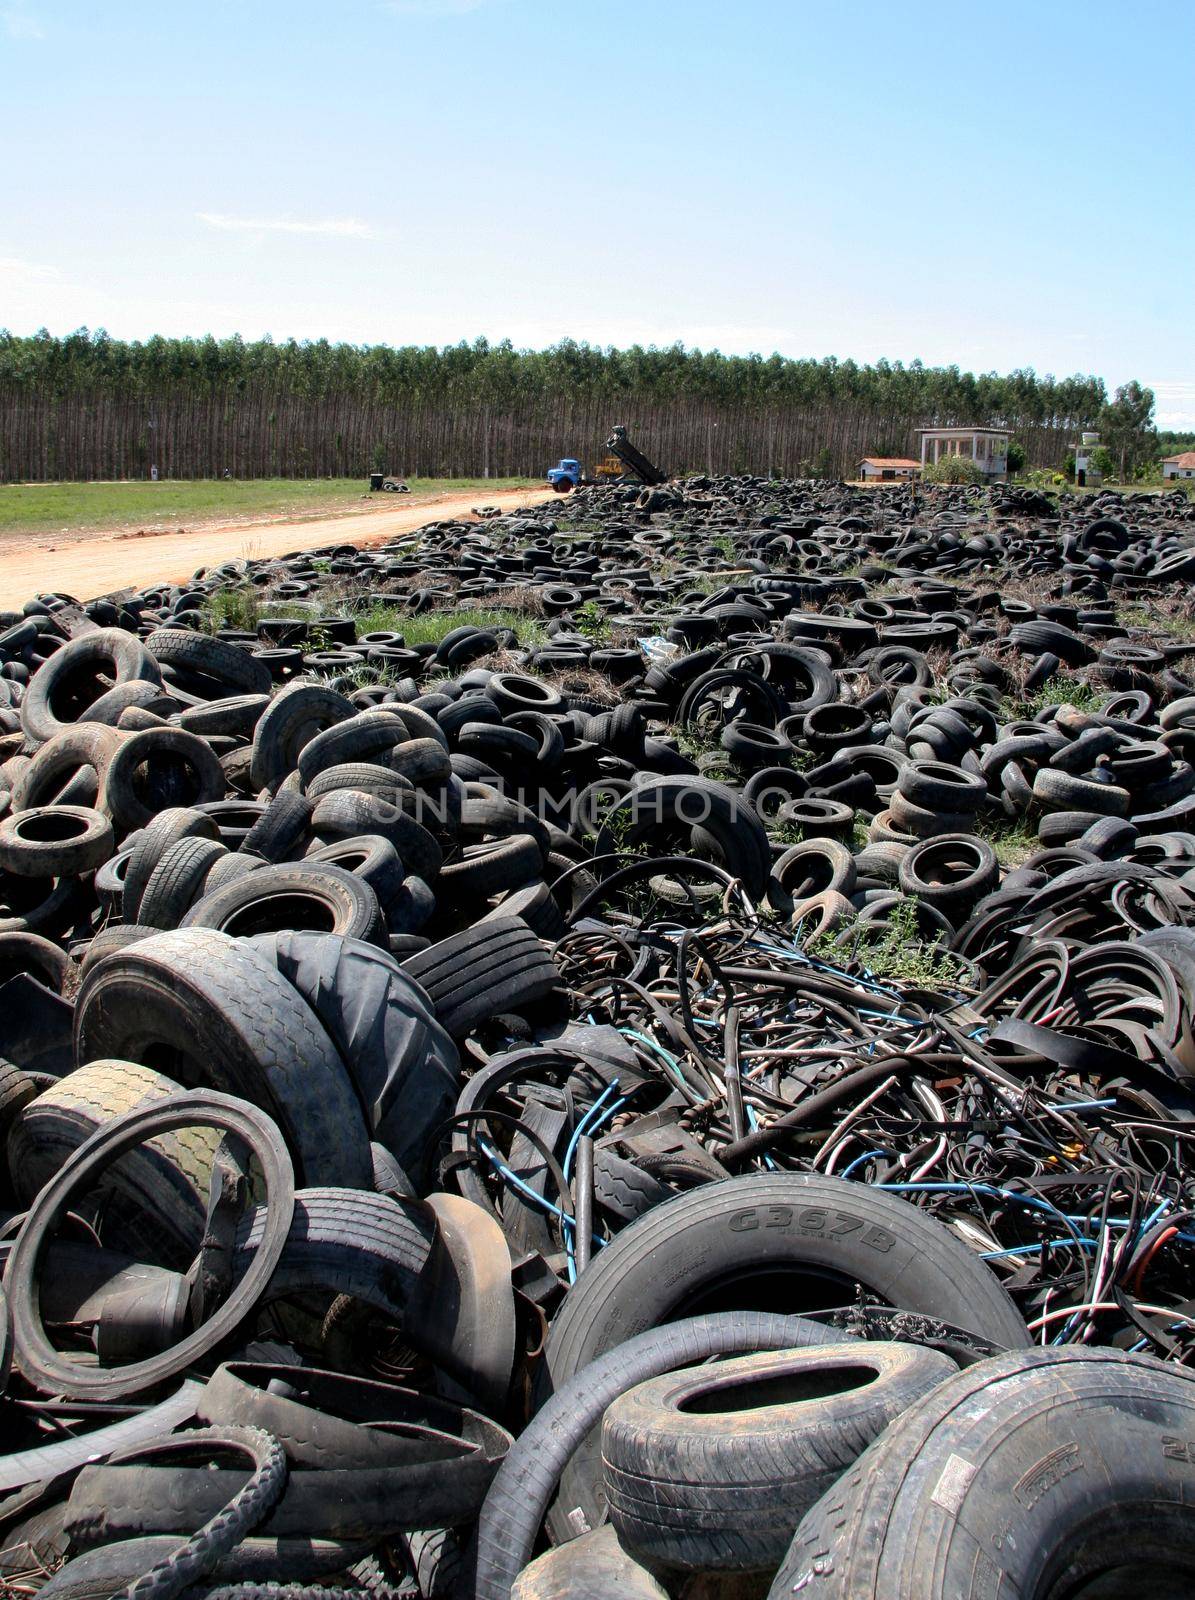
{"type": "Point", "coordinates": [1086, 1454]}
{"type": "Point", "coordinates": [214, 1012]}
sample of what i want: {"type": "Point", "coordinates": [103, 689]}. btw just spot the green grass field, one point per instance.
{"type": "Point", "coordinates": [56, 507]}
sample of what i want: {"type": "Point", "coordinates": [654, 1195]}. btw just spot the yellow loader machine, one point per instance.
{"type": "Point", "coordinates": [624, 464]}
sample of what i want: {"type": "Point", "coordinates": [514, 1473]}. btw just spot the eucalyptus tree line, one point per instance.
{"type": "Point", "coordinates": [88, 406]}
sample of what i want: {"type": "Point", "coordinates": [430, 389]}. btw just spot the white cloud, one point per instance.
{"type": "Point", "coordinates": [20, 24]}
{"type": "Point", "coordinates": [1175, 403]}
{"type": "Point", "coordinates": [335, 227]}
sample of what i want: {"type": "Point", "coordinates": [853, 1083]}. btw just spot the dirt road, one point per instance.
{"type": "Point", "coordinates": [86, 564]}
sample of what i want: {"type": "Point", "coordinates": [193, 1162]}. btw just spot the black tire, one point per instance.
{"type": "Point", "coordinates": [535, 906]}
{"type": "Point", "coordinates": [231, 867]}
{"type": "Point", "coordinates": [570, 1422]}
{"type": "Point", "coordinates": [291, 719]}
{"type": "Point", "coordinates": [1109, 839]}
{"type": "Point", "coordinates": [347, 813]}
{"type": "Point", "coordinates": [180, 822]}
{"type": "Point", "coordinates": [200, 656]}
{"type": "Point", "coordinates": [917, 822]}
{"type": "Point", "coordinates": [326, 1419]}
{"type": "Point", "coordinates": [281, 831]}
{"type": "Point", "coordinates": [154, 1199]}
{"type": "Point", "coordinates": [235, 714]}
{"type": "Point", "coordinates": [180, 763]}
{"type": "Point", "coordinates": [60, 690]}
{"type": "Point", "coordinates": [109, 1568]}
{"type": "Point", "coordinates": [211, 1011]}
{"type": "Point", "coordinates": [68, 769]}
{"type": "Point", "coordinates": [938, 786]}
{"type": "Point", "coordinates": [593, 1567]}
{"type": "Point", "coordinates": [369, 857]}
{"type": "Point", "coordinates": [116, 937]}
{"type": "Point", "coordinates": [40, 958]}
{"type": "Point", "coordinates": [199, 1555]}
{"type": "Point", "coordinates": [306, 896]}
{"type": "Point", "coordinates": [788, 1223]}
{"type": "Point", "coordinates": [363, 737]}
{"type": "Point", "coordinates": [491, 968]}
{"type": "Point", "coordinates": [177, 881]}
{"type": "Point", "coordinates": [950, 873]}
{"type": "Point", "coordinates": [40, 1362]}
{"type": "Point", "coordinates": [380, 783]}
{"type": "Point", "coordinates": [706, 1469]}
{"type": "Point", "coordinates": [54, 841]}
{"type": "Point", "coordinates": [712, 808]}
{"type": "Point", "coordinates": [17, 1090]}
{"type": "Point", "coordinates": [482, 870]}
{"type": "Point", "coordinates": [403, 1064]}
{"type": "Point", "coordinates": [1061, 791]}
{"type": "Point", "coordinates": [1037, 1473]}
{"type": "Point", "coordinates": [813, 868]}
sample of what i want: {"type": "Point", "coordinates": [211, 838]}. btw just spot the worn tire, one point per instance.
{"type": "Point", "coordinates": [54, 841]}
{"type": "Point", "coordinates": [217, 1014]}
{"type": "Point", "coordinates": [402, 1062]}
{"type": "Point", "coordinates": [705, 1469]}
{"type": "Point", "coordinates": [179, 822]}
{"type": "Point", "coordinates": [1025, 1475]}
{"type": "Point", "coordinates": [178, 881]}
{"type": "Point", "coordinates": [279, 899]}
{"type": "Point", "coordinates": [488, 969]}
{"type": "Point", "coordinates": [593, 1567]}
{"type": "Point", "coordinates": [156, 1195]}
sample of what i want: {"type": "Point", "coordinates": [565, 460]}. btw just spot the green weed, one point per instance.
{"type": "Point", "coordinates": [894, 950]}
{"type": "Point", "coordinates": [1062, 690]}
{"type": "Point", "coordinates": [1013, 842]}
{"type": "Point", "coordinates": [233, 608]}
{"type": "Point", "coordinates": [593, 622]}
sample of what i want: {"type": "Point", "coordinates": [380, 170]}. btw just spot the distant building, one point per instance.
{"type": "Point", "coordinates": [888, 467]}
{"type": "Point", "coordinates": [1182, 466]}
{"type": "Point", "coordinates": [1087, 476]}
{"type": "Point", "coordinates": [987, 447]}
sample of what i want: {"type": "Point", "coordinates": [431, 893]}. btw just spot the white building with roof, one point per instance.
{"type": "Point", "coordinates": [987, 447]}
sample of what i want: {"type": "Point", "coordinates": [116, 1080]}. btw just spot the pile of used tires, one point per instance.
{"type": "Point", "coordinates": [686, 1094]}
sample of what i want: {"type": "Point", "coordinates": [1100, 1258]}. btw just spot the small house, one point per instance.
{"type": "Point", "coordinates": [888, 468]}
{"type": "Point", "coordinates": [1087, 476]}
{"type": "Point", "coordinates": [1181, 466]}
{"type": "Point", "coordinates": [987, 447]}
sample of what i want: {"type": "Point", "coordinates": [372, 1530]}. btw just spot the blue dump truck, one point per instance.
{"type": "Point", "coordinates": [565, 475]}
{"type": "Point", "coordinates": [624, 464]}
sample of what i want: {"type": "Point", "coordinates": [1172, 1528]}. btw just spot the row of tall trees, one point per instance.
{"type": "Point", "coordinates": [88, 406]}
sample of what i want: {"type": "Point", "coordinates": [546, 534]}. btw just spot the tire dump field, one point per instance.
{"type": "Point", "coordinates": [691, 1095]}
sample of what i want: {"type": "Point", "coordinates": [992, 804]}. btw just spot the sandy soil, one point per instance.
{"type": "Point", "coordinates": [87, 563]}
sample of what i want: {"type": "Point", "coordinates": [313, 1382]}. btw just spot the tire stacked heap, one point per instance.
{"type": "Point", "coordinates": [422, 1056]}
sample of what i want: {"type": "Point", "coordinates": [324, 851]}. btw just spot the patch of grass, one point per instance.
{"type": "Point", "coordinates": [787, 833]}
{"type": "Point", "coordinates": [431, 626]}
{"type": "Point", "coordinates": [233, 608]}
{"type": "Point", "coordinates": [893, 950]}
{"type": "Point", "coordinates": [1161, 616]}
{"type": "Point", "coordinates": [593, 622]}
{"type": "Point", "coordinates": [693, 742]}
{"type": "Point", "coordinates": [1062, 690]}
{"type": "Point", "coordinates": [1013, 842]}
{"type": "Point", "coordinates": [172, 503]}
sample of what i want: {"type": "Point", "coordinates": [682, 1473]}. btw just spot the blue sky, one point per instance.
{"type": "Point", "coordinates": [995, 185]}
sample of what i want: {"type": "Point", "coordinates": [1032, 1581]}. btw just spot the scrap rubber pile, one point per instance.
{"type": "Point", "coordinates": [688, 1095]}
